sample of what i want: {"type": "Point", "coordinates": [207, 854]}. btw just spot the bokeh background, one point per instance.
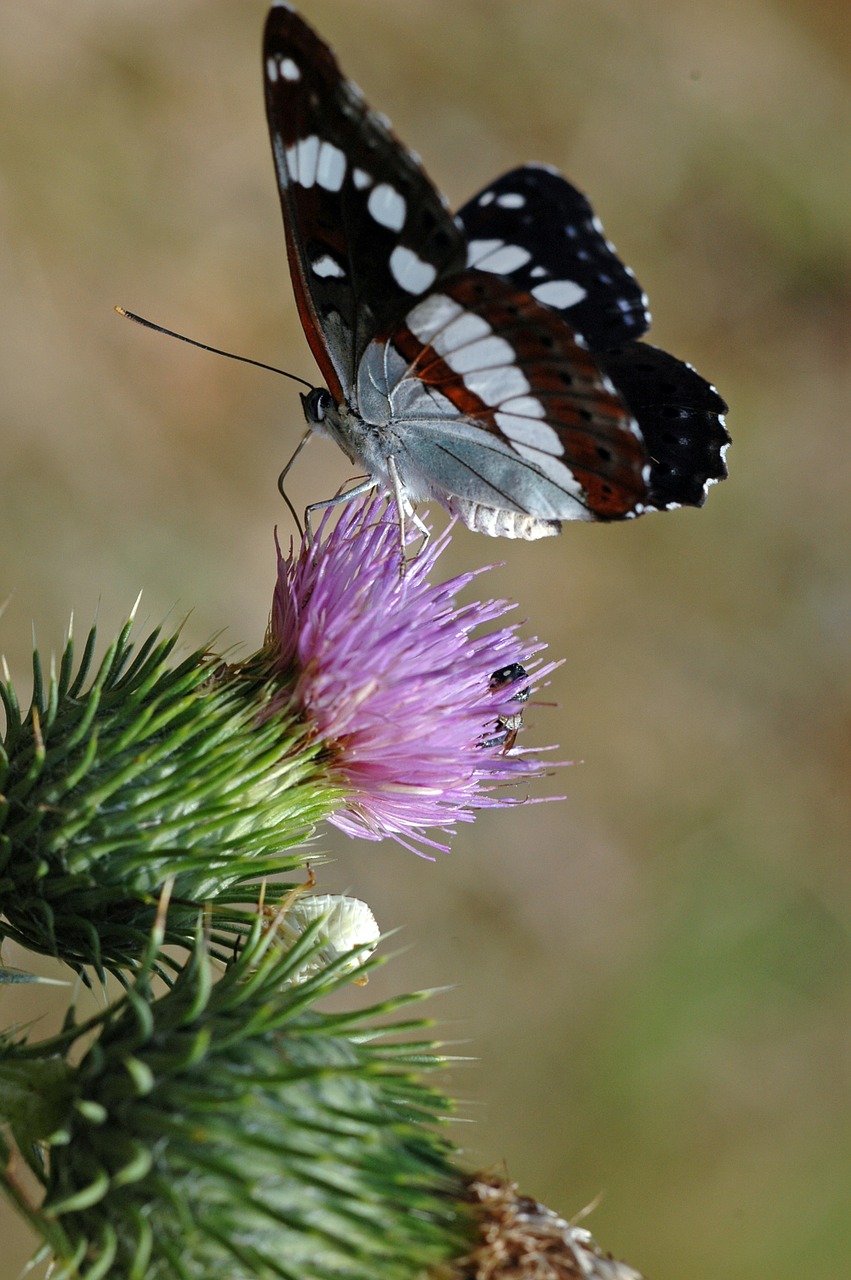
{"type": "Point", "coordinates": [654, 974]}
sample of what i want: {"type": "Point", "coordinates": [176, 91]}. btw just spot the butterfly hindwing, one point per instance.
{"type": "Point", "coordinates": [547, 239]}
{"type": "Point", "coordinates": [366, 230]}
{"type": "Point", "coordinates": [681, 417]}
{"type": "Point", "coordinates": [536, 228]}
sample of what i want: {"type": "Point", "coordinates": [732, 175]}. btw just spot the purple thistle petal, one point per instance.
{"type": "Point", "coordinates": [388, 668]}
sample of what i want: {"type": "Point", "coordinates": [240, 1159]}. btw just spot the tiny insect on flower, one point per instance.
{"type": "Point", "coordinates": [508, 722]}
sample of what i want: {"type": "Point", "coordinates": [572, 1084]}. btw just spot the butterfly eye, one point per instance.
{"type": "Point", "coordinates": [316, 404]}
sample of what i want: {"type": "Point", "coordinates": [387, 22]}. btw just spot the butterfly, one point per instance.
{"type": "Point", "coordinates": [489, 360]}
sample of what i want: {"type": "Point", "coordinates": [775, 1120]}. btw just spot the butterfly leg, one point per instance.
{"type": "Point", "coordinates": [364, 487]}
{"type": "Point", "coordinates": [405, 510]}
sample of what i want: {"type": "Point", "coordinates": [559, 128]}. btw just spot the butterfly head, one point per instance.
{"type": "Point", "coordinates": [316, 404]}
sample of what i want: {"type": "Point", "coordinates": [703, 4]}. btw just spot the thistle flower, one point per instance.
{"type": "Point", "coordinates": [377, 701]}
{"type": "Point", "coordinates": [395, 676]}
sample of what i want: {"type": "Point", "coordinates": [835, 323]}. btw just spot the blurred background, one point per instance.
{"type": "Point", "coordinates": [655, 974]}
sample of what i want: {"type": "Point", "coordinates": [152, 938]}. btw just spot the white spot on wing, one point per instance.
{"type": "Point", "coordinates": [409, 271]}
{"type": "Point", "coordinates": [326, 266]}
{"type": "Point", "coordinates": [301, 160]}
{"type": "Point", "coordinates": [478, 249]}
{"type": "Point", "coordinates": [493, 385]}
{"type": "Point", "coordinates": [511, 200]}
{"type": "Point", "coordinates": [387, 206]}
{"type": "Point", "coordinates": [552, 469]}
{"type": "Point", "coordinates": [308, 154]}
{"type": "Point", "coordinates": [488, 353]}
{"type": "Point", "coordinates": [271, 70]}
{"type": "Point", "coordinates": [431, 316]}
{"type": "Point", "coordinates": [527, 406]}
{"type": "Point", "coordinates": [289, 70]}
{"type": "Point", "coordinates": [331, 167]}
{"type": "Point", "coordinates": [486, 199]}
{"type": "Point", "coordinates": [559, 293]}
{"type": "Point", "coordinates": [361, 179]}
{"type": "Point", "coordinates": [530, 432]}
{"type": "Point", "coordinates": [469, 346]}
{"type": "Point", "coordinates": [467, 327]}
{"type": "Point", "coordinates": [496, 256]}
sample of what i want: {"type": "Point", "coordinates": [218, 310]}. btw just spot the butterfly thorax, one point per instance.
{"type": "Point", "coordinates": [375, 438]}
{"type": "Point", "coordinates": [369, 445]}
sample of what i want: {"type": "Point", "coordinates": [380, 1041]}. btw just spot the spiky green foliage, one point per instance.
{"type": "Point", "coordinates": [153, 769]}
{"type": "Point", "coordinates": [230, 1128]}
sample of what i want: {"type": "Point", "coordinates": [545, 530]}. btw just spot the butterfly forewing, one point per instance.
{"type": "Point", "coordinates": [366, 230]}
{"type": "Point", "coordinates": [533, 226]}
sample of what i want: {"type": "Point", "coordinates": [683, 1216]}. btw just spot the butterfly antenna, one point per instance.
{"type": "Point", "coordinates": [217, 351]}
{"type": "Point", "coordinates": [282, 477]}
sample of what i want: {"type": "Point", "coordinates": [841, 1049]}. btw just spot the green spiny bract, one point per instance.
{"type": "Point", "coordinates": [154, 770]}
{"type": "Point", "coordinates": [230, 1128]}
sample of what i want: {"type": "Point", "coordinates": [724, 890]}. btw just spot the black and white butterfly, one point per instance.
{"type": "Point", "coordinates": [489, 360]}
